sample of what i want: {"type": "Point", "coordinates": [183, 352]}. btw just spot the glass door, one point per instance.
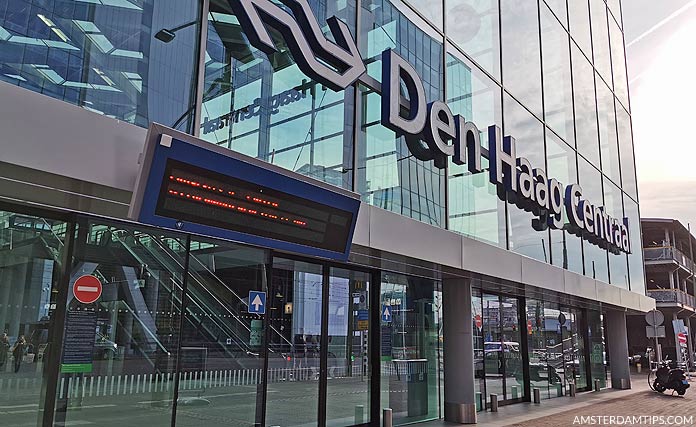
{"type": "Point", "coordinates": [503, 358]}
{"type": "Point", "coordinates": [294, 301]}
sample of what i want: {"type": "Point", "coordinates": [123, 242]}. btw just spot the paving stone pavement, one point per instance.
{"type": "Point", "coordinates": [646, 403]}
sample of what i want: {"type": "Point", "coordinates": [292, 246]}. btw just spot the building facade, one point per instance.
{"type": "Point", "coordinates": [456, 288]}
{"type": "Point", "coordinates": [669, 270]}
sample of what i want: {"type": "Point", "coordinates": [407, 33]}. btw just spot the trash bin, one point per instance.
{"type": "Point", "coordinates": [412, 376]}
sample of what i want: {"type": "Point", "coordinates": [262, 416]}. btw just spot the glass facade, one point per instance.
{"type": "Point", "coordinates": [550, 73]}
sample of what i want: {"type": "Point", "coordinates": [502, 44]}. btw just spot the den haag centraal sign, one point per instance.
{"type": "Point", "coordinates": [338, 65]}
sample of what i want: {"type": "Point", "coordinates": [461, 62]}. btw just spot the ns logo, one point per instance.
{"type": "Point", "coordinates": [336, 65]}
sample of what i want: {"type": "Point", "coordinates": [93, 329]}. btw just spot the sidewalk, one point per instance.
{"type": "Point", "coordinates": [562, 411]}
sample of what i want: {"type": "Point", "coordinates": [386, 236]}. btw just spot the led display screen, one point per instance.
{"type": "Point", "coordinates": [190, 185]}
{"type": "Point", "coordinates": [193, 194]}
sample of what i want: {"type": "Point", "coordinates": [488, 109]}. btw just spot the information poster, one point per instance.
{"type": "Point", "coordinates": [80, 327]}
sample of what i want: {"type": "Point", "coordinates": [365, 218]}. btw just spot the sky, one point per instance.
{"type": "Point", "coordinates": [660, 44]}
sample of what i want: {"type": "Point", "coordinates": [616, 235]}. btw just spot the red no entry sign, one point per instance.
{"type": "Point", "coordinates": [477, 321]}
{"type": "Point", "coordinates": [87, 289]}
{"type": "Point", "coordinates": [682, 338]}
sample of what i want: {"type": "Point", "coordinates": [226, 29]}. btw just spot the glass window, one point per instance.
{"type": "Point", "coordinates": [348, 384]}
{"type": "Point", "coordinates": [529, 137]}
{"type": "Point", "coordinates": [473, 205]}
{"type": "Point", "coordinates": [512, 348]}
{"type": "Point", "coordinates": [473, 26]}
{"type": "Point", "coordinates": [124, 347]}
{"type": "Point", "coordinates": [618, 267]}
{"type": "Point", "coordinates": [585, 107]}
{"type": "Point", "coordinates": [595, 257]}
{"type": "Point", "coordinates": [600, 39]}
{"type": "Point", "coordinates": [578, 330]}
{"type": "Point", "coordinates": [635, 258]}
{"type": "Point", "coordinates": [618, 61]}
{"type": "Point", "coordinates": [607, 132]}
{"type": "Point", "coordinates": [432, 10]}
{"type": "Point", "coordinates": [221, 343]}
{"type": "Point", "coordinates": [615, 9]}
{"type": "Point", "coordinates": [558, 91]}
{"type": "Point", "coordinates": [107, 57]}
{"type": "Point", "coordinates": [628, 165]}
{"type": "Point", "coordinates": [522, 53]}
{"type": "Point", "coordinates": [388, 175]}
{"type": "Point", "coordinates": [265, 107]}
{"type": "Point", "coordinates": [566, 248]}
{"type": "Point", "coordinates": [560, 10]}
{"type": "Point", "coordinates": [295, 306]}
{"type": "Point", "coordinates": [32, 249]}
{"type": "Point", "coordinates": [410, 348]}
{"type": "Point", "coordinates": [493, 348]}
{"type": "Point", "coordinates": [579, 17]}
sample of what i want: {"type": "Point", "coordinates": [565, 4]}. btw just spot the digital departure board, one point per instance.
{"type": "Point", "coordinates": [192, 185]}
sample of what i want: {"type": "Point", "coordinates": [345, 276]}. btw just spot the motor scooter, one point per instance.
{"type": "Point", "coordinates": [665, 378]}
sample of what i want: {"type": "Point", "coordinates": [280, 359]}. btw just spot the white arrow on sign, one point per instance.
{"type": "Point", "coordinates": [386, 313]}
{"type": "Point", "coordinates": [257, 302]}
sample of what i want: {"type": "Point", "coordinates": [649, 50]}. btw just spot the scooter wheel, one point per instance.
{"type": "Point", "coordinates": [659, 387]}
{"type": "Point", "coordinates": [681, 391]}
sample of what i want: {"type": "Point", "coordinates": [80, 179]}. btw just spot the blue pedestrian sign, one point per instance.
{"type": "Point", "coordinates": [257, 302]}
{"type": "Point", "coordinates": [386, 313]}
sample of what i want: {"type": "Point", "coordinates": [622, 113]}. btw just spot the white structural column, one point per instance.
{"type": "Point", "coordinates": [618, 349]}
{"type": "Point", "coordinates": [460, 406]}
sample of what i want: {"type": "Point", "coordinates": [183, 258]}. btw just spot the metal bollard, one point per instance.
{"type": "Point", "coordinates": [494, 402]}
{"type": "Point", "coordinates": [597, 384]}
{"type": "Point", "coordinates": [572, 390]}
{"type": "Point", "coordinates": [639, 367]}
{"type": "Point", "coordinates": [537, 396]}
{"type": "Point", "coordinates": [359, 411]}
{"type": "Point", "coordinates": [387, 420]}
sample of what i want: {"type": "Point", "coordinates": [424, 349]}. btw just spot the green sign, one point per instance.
{"type": "Point", "coordinates": [72, 368]}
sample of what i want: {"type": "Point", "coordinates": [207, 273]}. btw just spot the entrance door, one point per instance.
{"type": "Point", "coordinates": [503, 359]}
{"type": "Point", "coordinates": [294, 348]}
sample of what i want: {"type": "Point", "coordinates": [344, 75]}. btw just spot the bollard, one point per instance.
{"type": "Point", "coordinates": [494, 402]}
{"type": "Point", "coordinates": [572, 390]}
{"type": "Point", "coordinates": [639, 367]}
{"type": "Point", "coordinates": [559, 389]}
{"type": "Point", "coordinates": [537, 396]}
{"type": "Point", "coordinates": [387, 420]}
{"type": "Point", "coordinates": [597, 384]}
{"type": "Point", "coordinates": [359, 410]}
{"type": "Point", "coordinates": [515, 393]}
{"type": "Point", "coordinates": [479, 401]}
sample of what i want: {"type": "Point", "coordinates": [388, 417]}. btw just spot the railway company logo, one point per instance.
{"type": "Point", "coordinates": [336, 65]}
{"type": "Point", "coordinates": [431, 131]}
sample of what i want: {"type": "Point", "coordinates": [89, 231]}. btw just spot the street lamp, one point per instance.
{"type": "Point", "coordinates": [166, 35]}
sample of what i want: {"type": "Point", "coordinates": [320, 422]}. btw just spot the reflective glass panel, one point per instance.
{"type": "Point", "coordinates": [265, 107]}
{"type": "Point", "coordinates": [389, 176]}
{"type": "Point", "coordinates": [558, 91]}
{"type": "Point", "coordinates": [348, 367]}
{"type": "Point", "coordinates": [431, 9]}
{"type": "Point", "coordinates": [473, 26]}
{"type": "Point", "coordinates": [474, 207]}
{"type": "Point", "coordinates": [579, 17]}
{"type": "Point", "coordinates": [529, 136]}
{"type": "Point", "coordinates": [618, 267]}
{"type": "Point", "coordinates": [618, 61]}
{"type": "Point", "coordinates": [131, 333]}
{"type": "Point", "coordinates": [133, 61]}
{"type": "Point", "coordinates": [585, 107]}
{"type": "Point", "coordinates": [521, 53]}
{"type": "Point", "coordinates": [560, 10]}
{"type": "Point", "coordinates": [492, 347]}
{"type": "Point", "coordinates": [222, 344]}
{"type": "Point", "coordinates": [628, 165]}
{"type": "Point", "coordinates": [31, 251]}
{"type": "Point", "coordinates": [607, 132]}
{"type": "Point", "coordinates": [566, 248]}
{"type": "Point", "coordinates": [600, 39]}
{"type": "Point", "coordinates": [477, 329]}
{"type": "Point", "coordinates": [595, 257]}
{"type": "Point", "coordinates": [294, 314]}
{"type": "Point", "coordinates": [409, 348]}
{"type": "Point", "coordinates": [512, 350]}
{"type": "Point", "coordinates": [579, 329]}
{"type": "Point", "coordinates": [635, 258]}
